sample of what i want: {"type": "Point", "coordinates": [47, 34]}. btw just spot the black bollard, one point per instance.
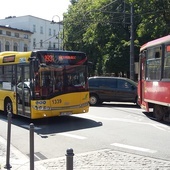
{"type": "Point", "coordinates": [69, 159]}
{"type": "Point", "coordinates": [8, 166]}
{"type": "Point", "coordinates": [31, 146]}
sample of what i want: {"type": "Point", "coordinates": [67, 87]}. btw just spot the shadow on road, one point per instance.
{"type": "Point", "coordinates": [64, 124]}
{"type": "Point", "coordinates": [151, 116]}
{"type": "Point", "coordinates": [52, 125]}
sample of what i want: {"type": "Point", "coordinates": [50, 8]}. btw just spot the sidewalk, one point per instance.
{"type": "Point", "coordinates": [106, 159]}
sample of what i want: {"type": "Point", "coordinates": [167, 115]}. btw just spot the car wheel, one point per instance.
{"type": "Point", "coordinates": [136, 102]}
{"type": "Point", "coordinates": [94, 100]}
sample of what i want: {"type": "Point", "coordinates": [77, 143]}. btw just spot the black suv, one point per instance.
{"type": "Point", "coordinates": [107, 89]}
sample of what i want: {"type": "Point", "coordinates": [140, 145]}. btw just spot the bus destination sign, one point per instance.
{"type": "Point", "coordinates": [56, 59]}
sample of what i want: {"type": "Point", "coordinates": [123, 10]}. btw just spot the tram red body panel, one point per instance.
{"type": "Point", "coordinates": [154, 92]}
{"type": "Point", "coordinates": [157, 91]}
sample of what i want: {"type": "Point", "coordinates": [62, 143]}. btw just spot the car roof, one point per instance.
{"type": "Point", "coordinates": [107, 77]}
{"type": "Point", "coordinates": [26, 82]}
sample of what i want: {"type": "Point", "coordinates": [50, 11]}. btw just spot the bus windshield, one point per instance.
{"type": "Point", "coordinates": [58, 73]}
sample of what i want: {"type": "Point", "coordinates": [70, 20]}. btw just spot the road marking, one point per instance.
{"type": "Point", "coordinates": [36, 158]}
{"type": "Point", "coordinates": [39, 156]}
{"type": "Point", "coordinates": [124, 109]}
{"type": "Point", "coordinates": [72, 136]}
{"type": "Point", "coordinates": [134, 148]}
{"type": "Point", "coordinates": [155, 125]}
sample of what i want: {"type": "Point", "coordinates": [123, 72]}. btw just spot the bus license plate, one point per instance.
{"type": "Point", "coordinates": [65, 113]}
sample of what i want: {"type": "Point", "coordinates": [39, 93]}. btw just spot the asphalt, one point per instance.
{"type": "Point", "coordinates": [106, 159]}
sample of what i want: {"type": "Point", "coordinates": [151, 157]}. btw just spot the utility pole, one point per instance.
{"type": "Point", "coordinates": [132, 74]}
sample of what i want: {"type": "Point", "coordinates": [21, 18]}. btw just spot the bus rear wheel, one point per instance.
{"type": "Point", "coordinates": [158, 112]}
{"type": "Point", "coordinates": [8, 106]}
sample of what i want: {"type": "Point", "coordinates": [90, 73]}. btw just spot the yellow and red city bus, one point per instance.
{"type": "Point", "coordinates": [154, 78]}
{"type": "Point", "coordinates": [44, 83]}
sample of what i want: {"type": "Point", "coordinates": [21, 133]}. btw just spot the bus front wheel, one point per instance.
{"type": "Point", "coordinates": [8, 106]}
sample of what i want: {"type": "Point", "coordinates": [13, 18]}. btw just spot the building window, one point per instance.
{"type": "Point", "coordinates": [7, 46]}
{"type": "Point", "coordinates": [34, 42]}
{"type": "Point", "coordinates": [54, 32]}
{"type": "Point", "coordinates": [25, 47]}
{"type": "Point", "coordinates": [50, 32]}
{"type": "Point", "coordinates": [16, 34]}
{"type": "Point", "coordinates": [8, 33]}
{"type": "Point", "coordinates": [41, 30]}
{"type": "Point", "coordinates": [41, 43]}
{"type": "Point", "coordinates": [49, 45]}
{"type": "Point", "coordinates": [15, 47]}
{"type": "Point", "coordinates": [34, 28]}
{"type": "Point", "coordinates": [25, 36]}
{"type": "Point", "coordinates": [0, 31]}
{"type": "Point", "coordinates": [53, 45]}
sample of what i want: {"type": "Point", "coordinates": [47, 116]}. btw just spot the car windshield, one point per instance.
{"type": "Point", "coordinates": [132, 82]}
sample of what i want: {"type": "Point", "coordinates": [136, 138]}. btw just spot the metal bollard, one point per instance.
{"type": "Point", "coordinates": [31, 146]}
{"type": "Point", "coordinates": [8, 166]}
{"type": "Point", "coordinates": [69, 159]}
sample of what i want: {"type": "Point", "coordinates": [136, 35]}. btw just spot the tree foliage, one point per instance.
{"type": "Point", "coordinates": [101, 28]}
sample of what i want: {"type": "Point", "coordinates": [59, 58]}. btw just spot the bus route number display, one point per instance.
{"type": "Point", "coordinates": [49, 58]}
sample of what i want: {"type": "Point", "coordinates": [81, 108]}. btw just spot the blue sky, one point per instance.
{"type": "Point", "coordinates": [38, 8]}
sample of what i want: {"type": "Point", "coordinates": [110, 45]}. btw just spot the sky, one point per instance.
{"type": "Point", "coordinates": [45, 9]}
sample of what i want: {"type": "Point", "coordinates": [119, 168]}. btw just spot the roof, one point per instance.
{"type": "Point", "coordinates": [158, 41]}
{"type": "Point", "coordinates": [15, 29]}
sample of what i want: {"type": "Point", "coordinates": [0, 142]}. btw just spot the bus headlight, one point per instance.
{"type": "Point", "coordinates": [42, 108]}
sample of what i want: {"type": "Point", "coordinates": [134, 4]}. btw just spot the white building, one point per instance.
{"type": "Point", "coordinates": [46, 34]}
{"type": "Point", "coordinates": [13, 39]}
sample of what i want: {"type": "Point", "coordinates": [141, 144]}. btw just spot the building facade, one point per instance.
{"type": "Point", "coordinates": [45, 34]}
{"type": "Point", "coordinates": [13, 39]}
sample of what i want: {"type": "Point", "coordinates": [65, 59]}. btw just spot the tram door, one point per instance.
{"type": "Point", "coordinates": [142, 72]}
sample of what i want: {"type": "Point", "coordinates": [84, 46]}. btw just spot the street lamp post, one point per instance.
{"type": "Point", "coordinates": [59, 22]}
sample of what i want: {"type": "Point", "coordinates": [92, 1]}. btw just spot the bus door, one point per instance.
{"type": "Point", "coordinates": [141, 83]}
{"type": "Point", "coordinates": [23, 90]}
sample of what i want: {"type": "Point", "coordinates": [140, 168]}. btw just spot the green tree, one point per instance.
{"type": "Point", "coordinates": [101, 28]}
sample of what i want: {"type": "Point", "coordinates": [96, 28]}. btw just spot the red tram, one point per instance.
{"type": "Point", "coordinates": [154, 78]}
